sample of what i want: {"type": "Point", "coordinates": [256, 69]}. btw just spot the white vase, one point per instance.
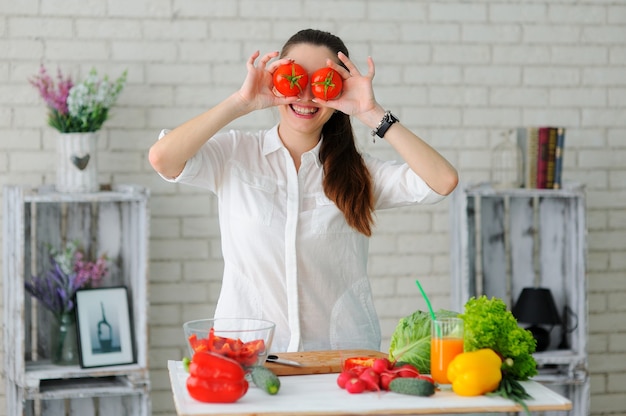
{"type": "Point", "coordinates": [77, 166]}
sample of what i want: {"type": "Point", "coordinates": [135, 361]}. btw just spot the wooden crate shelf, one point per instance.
{"type": "Point", "coordinates": [113, 222]}
{"type": "Point", "coordinates": [506, 239]}
{"type": "Point", "coordinates": [88, 387]}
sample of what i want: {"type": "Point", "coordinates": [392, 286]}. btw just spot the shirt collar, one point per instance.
{"type": "Point", "coordinates": [272, 143]}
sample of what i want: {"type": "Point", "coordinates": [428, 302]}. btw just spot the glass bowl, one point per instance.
{"type": "Point", "coordinates": [244, 340]}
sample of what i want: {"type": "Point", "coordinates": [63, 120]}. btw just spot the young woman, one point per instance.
{"type": "Point", "coordinates": [297, 201]}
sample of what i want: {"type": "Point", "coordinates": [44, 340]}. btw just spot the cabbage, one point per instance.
{"type": "Point", "coordinates": [410, 342]}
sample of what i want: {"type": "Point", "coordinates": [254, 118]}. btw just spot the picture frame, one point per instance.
{"type": "Point", "coordinates": [104, 327]}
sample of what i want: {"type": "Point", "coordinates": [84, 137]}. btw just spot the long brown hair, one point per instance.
{"type": "Point", "coordinates": [347, 182]}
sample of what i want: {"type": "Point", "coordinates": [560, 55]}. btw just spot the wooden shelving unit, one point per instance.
{"type": "Point", "coordinates": [114, 222]}
{"type": "Point", "coordinates": [506, 239]}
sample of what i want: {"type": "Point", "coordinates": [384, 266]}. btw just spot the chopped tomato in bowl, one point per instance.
{"type": "Point", "coordinates": [246, 341]}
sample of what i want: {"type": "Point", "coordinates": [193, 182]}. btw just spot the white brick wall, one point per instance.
{"type": "Point", "coordinates": [457, 72]}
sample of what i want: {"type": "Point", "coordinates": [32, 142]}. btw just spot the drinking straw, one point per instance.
{"type": "Point", "coordinates": [430, 308]}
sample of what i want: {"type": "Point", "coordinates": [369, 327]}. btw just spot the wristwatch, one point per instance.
{"type": "Point", "coordinates": [385, 123]}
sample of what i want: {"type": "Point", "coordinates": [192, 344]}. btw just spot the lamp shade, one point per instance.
{"type": "Point", "coordinates": [535, 305]}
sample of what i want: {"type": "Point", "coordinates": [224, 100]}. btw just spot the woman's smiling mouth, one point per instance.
{"type": "Point", "coordinates": [304, 111]}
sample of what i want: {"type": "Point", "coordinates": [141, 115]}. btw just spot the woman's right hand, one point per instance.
{"type": "Point", "coordinates": [257, 91]}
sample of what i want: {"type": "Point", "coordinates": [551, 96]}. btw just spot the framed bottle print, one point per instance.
{"type": "Point", "coordinates": [103, 320]}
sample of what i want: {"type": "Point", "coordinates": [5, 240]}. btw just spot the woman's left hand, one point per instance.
{"type": "Point", "coordinates": [357, 96]}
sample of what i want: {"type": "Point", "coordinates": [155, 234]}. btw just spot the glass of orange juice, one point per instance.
{"type": "Point", "coordinates": [446, 342]}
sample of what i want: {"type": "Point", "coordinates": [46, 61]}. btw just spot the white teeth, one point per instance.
{"type": "Point", "coordinates": [304, 110]}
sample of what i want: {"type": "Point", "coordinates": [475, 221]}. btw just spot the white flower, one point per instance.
{"type": "Point", "coordinates": [92, 98]}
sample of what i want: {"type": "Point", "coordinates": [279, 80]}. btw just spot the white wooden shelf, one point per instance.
{"type": "Point", "coordinates": [112, 222]}
{"type": "Point", "coordinates": [72, 388]}
{"type": "Point", "coordinates": [506, 239]}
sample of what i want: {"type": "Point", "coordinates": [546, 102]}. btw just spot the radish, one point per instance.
{"type": "Point", "coordinates": [344, 377]}
{"type": "Point", "coordinates": [385, 379]}
{"type": "Point", "coordinates": [371, 379]}
{"type": "Point", "coordinates": [355, 386]}
{"type": "Point", "coordinates": [407, 370]}
{"type": "Point", "coordinates": [380, 365]}
{"type": "Point", "coordinates": [427, 378]}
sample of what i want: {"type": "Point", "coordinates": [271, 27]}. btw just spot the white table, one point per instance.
{"type": "Point", "coordinates": [318, 394]}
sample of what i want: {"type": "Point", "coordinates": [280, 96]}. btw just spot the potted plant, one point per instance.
{"type": "Point", "coordinates": [55, 290]}
{"type": "Point", "coordinates": [77, 112]}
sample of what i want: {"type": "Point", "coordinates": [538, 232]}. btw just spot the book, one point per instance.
{"type": "Point", "coordinates": [558, 158]}
{"type": "Point", "coordinates": [550, 158]}
{"type": "Point", "coordinates": [527, 139]}
{"type": "Point", "coordinates": [522, 142]}
{"type": "Point", "coordinates": [542, 156]}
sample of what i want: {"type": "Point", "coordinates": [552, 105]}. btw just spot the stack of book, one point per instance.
{"type": "Point", "coordinates": [542, 156]}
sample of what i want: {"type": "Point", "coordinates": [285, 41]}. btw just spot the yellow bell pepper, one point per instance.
{"type": "Point", "coordinates": [475, 372]}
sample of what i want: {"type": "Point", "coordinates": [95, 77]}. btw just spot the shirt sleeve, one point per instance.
{"type": "Point", "coordinates": [396, 185]}
{"type": "Point", "coordinates": [204, 169]}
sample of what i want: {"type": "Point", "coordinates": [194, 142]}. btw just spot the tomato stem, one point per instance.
{"type": "Point", "coordinates": [327, 83]}
{"type": "Point", "coordinates": [293, 78]}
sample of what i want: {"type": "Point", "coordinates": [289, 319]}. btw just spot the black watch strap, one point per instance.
{"type": "Point", "coordinates": [385, 123]}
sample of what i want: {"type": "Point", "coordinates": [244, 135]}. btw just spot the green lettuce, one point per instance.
{"type": "Point", "coordinates": [489, 324]}
{"type": "Point", "coordinates": [410, 342]}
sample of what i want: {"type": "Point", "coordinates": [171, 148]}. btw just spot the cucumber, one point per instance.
{"type": "Point", "coordinates": [413, 386]}
{"type": "Point", "coordinates": [186, 362]}
{"type": "Point", "coordinates": [265, 379]}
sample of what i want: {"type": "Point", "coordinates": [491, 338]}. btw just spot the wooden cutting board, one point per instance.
{"type": "Point", "coordinates": [318, 362]}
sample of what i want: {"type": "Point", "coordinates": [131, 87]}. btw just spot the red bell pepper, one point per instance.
{"type": "Point", "coordinates": [357, 364]}
{"type": "Point", "coordinates": [215, 379]}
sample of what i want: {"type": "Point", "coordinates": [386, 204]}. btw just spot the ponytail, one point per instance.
{"type": "Point", "coordinates": [347, 181]}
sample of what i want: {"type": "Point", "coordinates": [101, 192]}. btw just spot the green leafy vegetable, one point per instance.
{"type": "Point", "coordinates": [488, 324]}
{"type": "Point", "coordinates": [512, 390]}
{"type": "Point", "coordinates": [410, 342]}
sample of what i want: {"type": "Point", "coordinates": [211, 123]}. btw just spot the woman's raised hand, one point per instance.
{"type": "Point", "coordinates": [357, 96]}
{"type": "Point", "coordinates": [257, 89]}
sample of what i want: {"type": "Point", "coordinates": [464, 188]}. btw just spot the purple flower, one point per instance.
{"type": "Point", "coordinates": [87, 272]}
{"type": "Point", "coordinates": [68, 272]}
{"type": "Point", "coordinates": [55, 96]}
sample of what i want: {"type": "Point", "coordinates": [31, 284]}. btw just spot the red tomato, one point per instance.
{"type": "Point", "coordinates": [290, 79]}
{"type": "Point", "coordinates": [326, 84]}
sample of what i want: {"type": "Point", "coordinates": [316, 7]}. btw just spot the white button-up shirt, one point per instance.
{"type": "Point", "coordinates": [289, 255]}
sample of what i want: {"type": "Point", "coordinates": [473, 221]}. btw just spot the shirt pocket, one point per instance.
{"type": "Point", "coordinates": [252, 195]}
{"type": "Point", "coordinates": [327, 218]}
